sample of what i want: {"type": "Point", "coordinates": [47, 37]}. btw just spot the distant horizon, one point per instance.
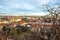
{"type": "Point", "coordinates": [25, 14]}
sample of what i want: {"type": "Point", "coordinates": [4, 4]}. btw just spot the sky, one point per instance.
{"type": "Point", "coordinates": [26, 7]}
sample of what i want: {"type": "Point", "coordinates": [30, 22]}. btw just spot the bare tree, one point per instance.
{"type": "Point", "coordinates": [54, 12]}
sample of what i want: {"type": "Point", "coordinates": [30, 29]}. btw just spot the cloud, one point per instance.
{"type": "Point", "coordinates": [41, 2]}
{"type": "Point", "coordinates": [4, 9]}
{"type": "Point", "coordinates": [15, 5]}
{"type": "Point", "coordinates": [25, 7]}
{"type": "Point", "coordinates": [0, 6]}
{"type": "Point", "coordinates": [25, 14]}
{"type": "Point", "coordinates": [47, 2]}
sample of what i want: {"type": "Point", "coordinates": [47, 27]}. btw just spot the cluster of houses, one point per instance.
{"type": "Point", "coordinates": [30, 21]}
